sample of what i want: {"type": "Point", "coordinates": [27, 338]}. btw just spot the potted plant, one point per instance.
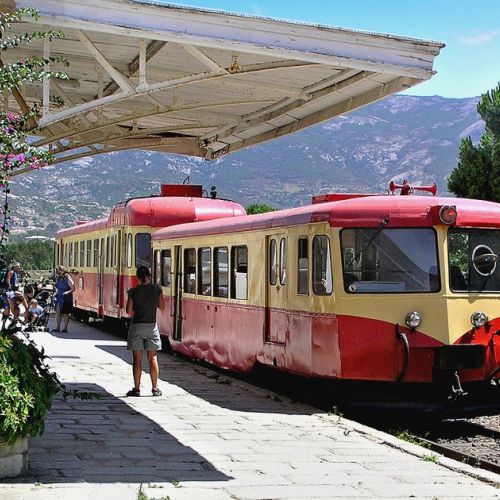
{"type": "Point", "coordinates": [27, 387]}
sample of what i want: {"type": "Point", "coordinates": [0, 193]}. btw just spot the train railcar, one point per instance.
{"type": "Point", "coordinates": [377, 288]}
{"type": "Point", "coordinates": [103, 255]}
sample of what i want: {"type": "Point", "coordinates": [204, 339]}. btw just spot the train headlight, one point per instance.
{"type": "Point", "coordinates": [478, 319]}
{"type": "Point", "coordinates": [413, 319]}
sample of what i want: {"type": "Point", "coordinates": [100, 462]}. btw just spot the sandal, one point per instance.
{"type": "Point", "coordinates": [156, 392]}
{"type": "Point", "coordinates": [134, 392]}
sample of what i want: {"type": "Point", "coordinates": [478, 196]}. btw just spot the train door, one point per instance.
{"type": "Point", "coordinates": [116, 264]}
{"type": "Point", "coordinates": [276, 289]}
{"type": "Point", "coordinates": [100, 276]}
{"type": "Point", "coordinates": [177, 294]}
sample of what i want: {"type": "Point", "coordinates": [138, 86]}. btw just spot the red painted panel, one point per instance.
{"type": "Point", "coordinates": [159, 212]}
{"type": "Point", "coordinates": [488, 337]}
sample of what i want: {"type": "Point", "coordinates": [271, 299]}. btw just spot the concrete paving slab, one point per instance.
{"type": "Point", "coordinates": [212, 441]}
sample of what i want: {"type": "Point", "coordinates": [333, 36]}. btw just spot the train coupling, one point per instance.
{"type": "Point", "coordinates": [456, 387]}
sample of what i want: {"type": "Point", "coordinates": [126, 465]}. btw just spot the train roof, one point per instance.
{"type": "Point", "coordinates": [401, 211]}
{"type": "Point", "coordinates": [159, 211]}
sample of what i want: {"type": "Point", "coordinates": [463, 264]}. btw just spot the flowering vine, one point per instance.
{"type": "Point", "coordinates": [16, 152]}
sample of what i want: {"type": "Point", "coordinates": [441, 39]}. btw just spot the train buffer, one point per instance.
{"type": "Point", "coordinates": [213, 437]}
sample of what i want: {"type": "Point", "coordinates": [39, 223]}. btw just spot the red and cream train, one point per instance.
{"type": "Point", "coordinates": [372, 288]}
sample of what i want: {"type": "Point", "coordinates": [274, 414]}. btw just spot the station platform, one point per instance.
{"type": "Point", "coordinates": [210, 437]}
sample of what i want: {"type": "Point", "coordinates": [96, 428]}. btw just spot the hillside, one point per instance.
{"type": "Point", "coordinates": [400, 137]}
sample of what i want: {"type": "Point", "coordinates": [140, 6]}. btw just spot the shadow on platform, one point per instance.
{"type": "Point", "coordinates": [108, 441]}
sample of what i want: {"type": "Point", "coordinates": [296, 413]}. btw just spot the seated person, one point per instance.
{"type": "Point", "coordinates": [18, 306]}
{"type": "Point", "coordinates": [34, 311]}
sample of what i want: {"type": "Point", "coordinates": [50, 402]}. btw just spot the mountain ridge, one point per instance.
{"type": "Point", "coordinates": [400, 137]}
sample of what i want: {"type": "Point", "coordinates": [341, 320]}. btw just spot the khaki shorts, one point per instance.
{"type": "Point", "coordinates": [143, 337]}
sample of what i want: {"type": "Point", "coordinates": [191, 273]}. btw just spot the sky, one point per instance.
{"type": "Point", "coordinates": [468, 66]}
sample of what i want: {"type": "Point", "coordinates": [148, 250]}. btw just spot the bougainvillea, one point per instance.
{"type": "Point", "coordinates": [16, 151]}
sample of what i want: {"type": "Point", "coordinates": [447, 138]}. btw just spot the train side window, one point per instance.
{"type": "Point", "coordinates": [107, 252]}
{"type": "Point", "coordinates": [129, 250]}
{"type": "Point", "coordinates": [239, 275]}
{"type": "Point", "coordinates": [157, 267]}
{"type": "Point", "coordinates": [82, 253]}
{"type": "Point", "coordinates": [112, 252]}
{"type": "Point", "coordinates": [322, 266]}
{"type": "Point", "coordinates": [303, 266]}
{"type": "Point", "coordinates": [96, 253]}
{"type": "Point", "coordinates": [75, 254]}
{"type": "Point", "coordinates": [190, 270]}
{"type": "Point", "coordinates": [273, 262]}
{"type": "Point", "coordinates": [283, 261]}
{"type": "Point", "coordinates": [205, 271]}
{"type": "Point", "coordinates": [221, 284]}
{"type": "Point", "coordinates": [166, 266]}
{"type": "Point", "coordinates": [142, 249]}
{"type": "Point", "coordinates": [89, 252]}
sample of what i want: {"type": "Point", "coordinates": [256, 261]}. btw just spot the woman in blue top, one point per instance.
{"type": "Point", "coordinates": [12, 277]}
{"type": "Point", "coordinates": [65, 286]}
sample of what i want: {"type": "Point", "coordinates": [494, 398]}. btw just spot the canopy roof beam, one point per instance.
{"type": "Point", "coordinates": [210, 82]}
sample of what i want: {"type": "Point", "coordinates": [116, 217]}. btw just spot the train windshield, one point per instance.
{"type": "Point", "coordinates": [390, 260]}
{"type": "Point", "coordinates": [473, 260]}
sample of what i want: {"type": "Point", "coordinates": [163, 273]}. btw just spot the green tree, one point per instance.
{"type": "Point", "coordinates": [259, 208]}
{"type": "Point", "coordinates": [477, 174]}
{"type": "Point", "coordinates": [32, 255]}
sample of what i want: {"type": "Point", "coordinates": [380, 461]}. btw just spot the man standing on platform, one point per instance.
{"type": "Point", "coordinates": [143, 335]}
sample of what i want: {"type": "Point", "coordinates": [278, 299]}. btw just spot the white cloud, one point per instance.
{"type": "Point", "coordinates": [479, 38]}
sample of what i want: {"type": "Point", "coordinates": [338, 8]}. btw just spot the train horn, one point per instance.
{"type": "Point", "coordinates": [407, 188]}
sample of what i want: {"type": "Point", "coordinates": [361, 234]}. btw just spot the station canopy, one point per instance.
{"type": "Point", "coordinates": [198, 82]}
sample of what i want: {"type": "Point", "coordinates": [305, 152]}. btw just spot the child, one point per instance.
{"type": "Point", "coordinates": [34, 311]}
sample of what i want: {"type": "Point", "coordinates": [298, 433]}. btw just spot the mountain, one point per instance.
{"type": "Point", "coordinates": [401, 137]}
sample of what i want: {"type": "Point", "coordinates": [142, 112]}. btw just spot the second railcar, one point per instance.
{"type": "Point", "coordinates": [103, 255]}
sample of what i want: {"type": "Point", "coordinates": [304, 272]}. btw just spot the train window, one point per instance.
{"type": "Point", "coordinates": [142, 249]}
{"type": "Point", "coordinates": [82, 253]}
{"type": "Point", "coordinates": [221, 283]}
{"type": "Point", "coordinates": [273, 262]}
{"type": "Point", "coordinates": [75, 254]}
{"type": "Point", "coordinates": [112, 252]}
{"type": "Point", "coordinates": [96, 253]}
{"type": "Point", "coordinates": [107, 251]}
{"type": "Point", "coordinates": [166, 267]}
{"type": "Point", "coordinates": [239, 275]}
{"type": "Point", "coordinates": [157, 267]}
{"type": "Point", "coordinates": [190, 270]}
{"type": "Point", "coordinates": [89, 252]}
{"type": "Point", "coordinates": [473, 260]}
{"type": "Point", "coordinates": [394, 260]}
{"type": "Point", "coordinates": [128, 250]}
{"type": "Point", "coordinates": [303, 266]}
{"type": "Point", "coordinates": [283, 261]}
{"type": "Point", "coordinates": [322, 266]}
{"type": "Point", "coordinates": [205, 271]}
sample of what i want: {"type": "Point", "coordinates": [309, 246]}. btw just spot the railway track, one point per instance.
{"type": "Point", "coordinates": [477, 444]}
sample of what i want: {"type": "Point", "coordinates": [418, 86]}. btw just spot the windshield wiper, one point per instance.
{"type": "Point", "coordinates": [380, 228]}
